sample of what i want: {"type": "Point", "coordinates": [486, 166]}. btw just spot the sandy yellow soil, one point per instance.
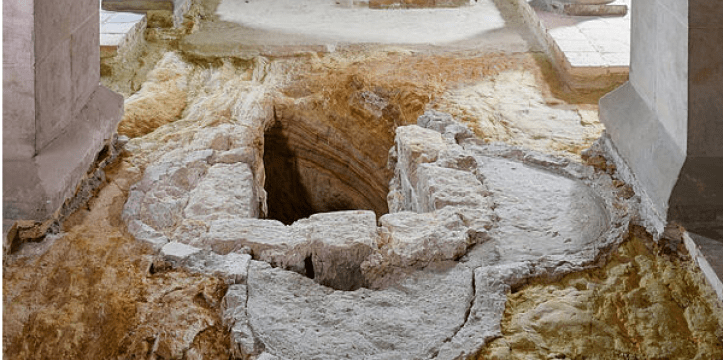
{"type": "Point", "coordinates": [646, 303]}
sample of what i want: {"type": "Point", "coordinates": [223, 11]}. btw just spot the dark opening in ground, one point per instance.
{"type": "Point", "coordinates": [311, 168]}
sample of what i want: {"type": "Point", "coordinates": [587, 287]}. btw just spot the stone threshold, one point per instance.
{"type": "Point", "coordinates": [588, 52]}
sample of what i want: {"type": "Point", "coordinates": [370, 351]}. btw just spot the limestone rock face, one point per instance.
{"type": "Point", "coordinates": [233, 268]}
{"type": "Point", "coordinates": [639, 305]}
{"type": "Point", "coordinates": [235, 317]}
{"type": "Point", "coordinates": [161, 100]}
{"type": "Point", "coordinates": [340, 242]}
{"type": "Point", "coordinates": [468, 221]}
{"type": "Point", "coordinates": [227, 190]}
{"type": "Point", "coordinates": [512, 109]}
{"type": "Point", "coordinates": [295, 318]}
{"type": "Point", "coordinates": [265, 240]}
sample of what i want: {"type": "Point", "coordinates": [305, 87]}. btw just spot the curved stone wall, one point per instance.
{"type": "Point", "coordinates": [312, 167]}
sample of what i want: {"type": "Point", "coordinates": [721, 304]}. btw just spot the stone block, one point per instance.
{"type": "Point", "coordinates": [227, 191]}
{"type": "Point", "coordinates": [340, 242]}
{"type": "Point", "coordinates": [178, 253]}
{"type": "Point", "coordinates": [266, 240]}
{"type": "Point", "coordinates": [61, 165]}
{"type": "Point", "coordinates": [56, 20]}
{"type": "Point", "coordinates": [85, 62]}
{"type": "Point", "coordinates": [650, 152]}
{"type": "Point", "coordinates": [54, 94]}
{"type": "Point", "coordinates": [439, 187]}
{"type": "Point", "coordinates": [671, 83]}
{"type": "Point", "coordinates": [18, 111]}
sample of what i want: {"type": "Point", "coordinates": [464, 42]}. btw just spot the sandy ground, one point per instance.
{"type": "Point", "coordinates": [87, 293]}
{"type": "Point", "coordinates": [645, 303]}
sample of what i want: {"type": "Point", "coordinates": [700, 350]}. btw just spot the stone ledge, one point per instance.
{"type": "Point", "coordinates": [580, 62]}
{"type": "Point", "coordinates": [644, 153]}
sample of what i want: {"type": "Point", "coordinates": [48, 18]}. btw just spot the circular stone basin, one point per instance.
{"type": "Point", "coordinates": [541, 214]}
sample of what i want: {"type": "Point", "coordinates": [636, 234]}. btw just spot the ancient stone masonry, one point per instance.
{"type": "Point", "coordinates": [468, 221]}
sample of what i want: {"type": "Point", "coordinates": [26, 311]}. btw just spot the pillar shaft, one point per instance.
{"type": "Point", "coordinates": [666, 123]}
{"type": "Point", "coordinates": [56, 116]}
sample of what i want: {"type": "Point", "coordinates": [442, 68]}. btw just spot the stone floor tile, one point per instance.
{"type": "Point", "coordinates": [123, 17]}
{"type": "Point", "coordinates": [117, 28]}
{"type": "Point", "coordinates": [585, 59]}
{"type": "Point", "coordinates": [575, 45]}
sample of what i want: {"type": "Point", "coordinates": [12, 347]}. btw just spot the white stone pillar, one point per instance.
{"type": "Point", "coordinates": [56, 116]}
{"type": "Point", "coordinates": [666, 123]}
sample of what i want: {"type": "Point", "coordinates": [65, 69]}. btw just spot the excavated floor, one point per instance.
{"type": "Point", "coordinates": [467, 212]}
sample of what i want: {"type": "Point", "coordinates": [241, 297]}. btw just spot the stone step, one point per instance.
{"type": "Point", "coordinates": [587, 51]}
{"type": "Point", "coordinates": [176, 7]}
{"type": "Point", "coordinates": [120, 32]}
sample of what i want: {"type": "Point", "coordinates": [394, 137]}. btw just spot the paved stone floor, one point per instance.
{"type": "Point", "coordinates": [591, 41]}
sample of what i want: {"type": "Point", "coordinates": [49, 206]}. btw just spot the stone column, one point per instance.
{"type": "Point", "coordinates": [56, 116]}
{"type": "Point", "coordinates": [666, 123]}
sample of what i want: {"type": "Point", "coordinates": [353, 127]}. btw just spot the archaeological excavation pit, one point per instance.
{"type": "Point", "coordinates": [312, 167]}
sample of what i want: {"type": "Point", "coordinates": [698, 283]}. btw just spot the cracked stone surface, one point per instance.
{"type": "Point", "coordinates": [296, 318]}
{"type": "Point", "coordinates": [468, 221]}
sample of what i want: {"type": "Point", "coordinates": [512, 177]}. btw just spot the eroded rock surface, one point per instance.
{"type": "Point", "coordinates": [641, 305]}
{"type": "Point", "coordinates": [296, 318]}
{"type": "Point", "coordinates": [470, 222]}
{"type": "Point", "coordinates": [512, 109]}
{"type": "Point", "coordinates": [428, 280]}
